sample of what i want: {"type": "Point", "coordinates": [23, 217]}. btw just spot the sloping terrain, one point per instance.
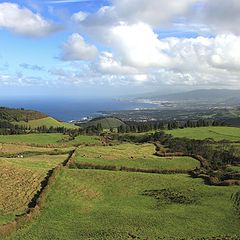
{"type": "Point", "coordinates": [106, 123]}
{"type": "Point", "coordinates": [30, 118]}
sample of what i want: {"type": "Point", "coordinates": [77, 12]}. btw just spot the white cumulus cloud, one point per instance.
{"type": "Point", "coordinates": [24, 22]}
{"type": "Point", "coordinates": [76, 49]}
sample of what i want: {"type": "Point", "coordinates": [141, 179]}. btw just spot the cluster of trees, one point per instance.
{"type": "Point", "coordinates": [217, 157]}
{"type": "Point", "coordinates": [218, 154]}
{"type": "Point", "coordinates": [9, 128]}
{"type": "Point", "coordinates": [161, 125]}
{"type": "Point", "coordinates": [141, 127]}
{"type": "Point", "coordinates": [17, 115]}
{"type": "Point", "coordinates": [194, 123]}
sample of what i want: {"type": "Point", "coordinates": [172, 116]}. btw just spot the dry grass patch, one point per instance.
{"type": "Point", "coordinates": [18, 186]}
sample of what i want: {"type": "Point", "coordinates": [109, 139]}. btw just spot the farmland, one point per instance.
{"type": "Point", "coordinates": [98, 204]}
{"type": "Point", "coordinates": [44, 138]}
{"type": "Point", "coordinates": [20, 179]}
{"type": "Point", "coordinates": [132, 156]}
{"type": "Point", "coordinates": [88, 204]}
{"type": "Point", "coordinates": [48, 138]}
{"type": "Point", "coordinates": [47, 122]}
{"type": "Point", "coordinates": [216, 133]}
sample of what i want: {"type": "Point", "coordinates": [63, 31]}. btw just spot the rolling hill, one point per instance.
{"type": "Point", "coordinates": [106, 122]}
{"type": "Point", "coordinates": [31, 118]}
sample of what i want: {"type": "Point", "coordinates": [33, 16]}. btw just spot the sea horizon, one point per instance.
{"type": "Point", "coordinates": [67, 109]}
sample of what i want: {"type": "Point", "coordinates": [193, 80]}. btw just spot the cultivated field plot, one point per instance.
{"type": "Point", "coordinates": [90, 204]}
{"type": "Point", "coordinates": [7, 148]}
{"type": "Point", "coordinates": [49, 138]}
{"type": "Point", "coordinates": [20, 179]}
{"type": "Point", "coordinates": [216, 133]}
{"type": "Point", "coordinates": [18, 186]}
{"type": "Point", "coordinates": [37, 162]}
{"type": "Point", "coordinates": [44, 138]}
{"type": "Point", "coordinates": [132, 156]}
{"type": "Point", "coordinates": [84, 139]}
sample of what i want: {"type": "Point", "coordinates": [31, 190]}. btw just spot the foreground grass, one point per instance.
{"type": "Point", "coordinates": [20, 179]}
{"type": "Point", "coordinates": [18, 186]}
{"type": "Point", "coordinates": [88, 204]}
{"type": "Point", "coordinates": [132, 156]}
{"type": "Point", "coordinates": [216, 133]}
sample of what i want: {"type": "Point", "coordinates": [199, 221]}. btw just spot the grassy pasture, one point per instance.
{"type": "Point", "coordinates": [132, 156]}
{"type": "Point", "coordinates": [48, 122]}
{"type": "Point", "coordinates": [20, 179]}
{"type": "Point", "coordinates": [18, 186]}
{"type": "Point", "coordinates": [36, 162]}
{"type": "Point", "coordinates": [88, 204]}
{"type": "Point", "coordinates": [49, 138]}
{"type": "Point", "coordinates": [7, 148]}
{"type": "Point", "coordinates": [43, 138]}
{"type": "Point", "coordinates": [85, 139]}
{"type": "Point", "coordinates": [217, 133]}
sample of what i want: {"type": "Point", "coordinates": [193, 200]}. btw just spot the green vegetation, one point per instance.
{"type": "Point", "coordinates": [47, 122]}
{"type": "Point", "coordinates": [48, 138]}
{"type": "Point", "coordinates": [18, 186]}
{"type": "Point", "coordinates": [43, 138]}
{"type": "Point", "coordinates": [8, 148]}
{"type": "Point", "coordinates": [216, 133]}
{"type": "Point", "coordinates": [133, 156]}
{"type": "Point", "coordinates": [85, 139]}
{"type": "Point", "coordinates": [99, 204]}
{"type": "Point", "coordinates": [88, 204]}
{"type": "Point", "coordinates": [17, 115]}
{"type": "Point", "coordinates": [36, 162]}
{"type": "Point", "coordinates": [20, 179]}
{"type": "Point", "coordinates": [235, 169]}
{"type": "Point", "coordinates": [105, 123]}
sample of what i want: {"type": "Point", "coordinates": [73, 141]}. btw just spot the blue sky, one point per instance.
{"type": "Point", "coordinates": [117, 47]}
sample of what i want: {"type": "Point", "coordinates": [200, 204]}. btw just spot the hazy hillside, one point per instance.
{"type": "Point", "coordinates": [211, 95]}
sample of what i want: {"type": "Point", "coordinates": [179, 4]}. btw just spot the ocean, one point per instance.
{"type": "Point", "coordinates": [72, 109]}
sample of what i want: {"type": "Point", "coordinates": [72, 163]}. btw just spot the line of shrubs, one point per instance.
{"type": "Point", "coordinates": [127, 169]}
{"type": "Point", "coordinates": [37, 201]}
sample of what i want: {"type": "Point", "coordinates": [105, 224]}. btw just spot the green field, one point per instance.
{"type": "Point", "coordinates": [88, 204]}
{"type": "Point", "coordinates": [48, 122]}
{"type": "Point", "coordinates": [216, 133]}
{"type": "Point", "coordinates": [12, 148]}
{"type": "Point", "coordinates": [43, 138]}
{"type": "Point", "coordinates": [84, 139]}
{"type": "Point", "coordinates": [133, 156]}
{"type": "Point", "coordinates": [36, 162]}
{"type": "Point", "coordinates": [20, 179]}
{"type": "Point", "coordinates": [49, 138]}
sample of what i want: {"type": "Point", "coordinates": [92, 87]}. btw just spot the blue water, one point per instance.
{"type": "Point", "coordinates": [72, 109]}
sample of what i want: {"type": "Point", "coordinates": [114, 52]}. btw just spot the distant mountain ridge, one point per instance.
{"type": "Point", "coordinates": [210, 95]}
